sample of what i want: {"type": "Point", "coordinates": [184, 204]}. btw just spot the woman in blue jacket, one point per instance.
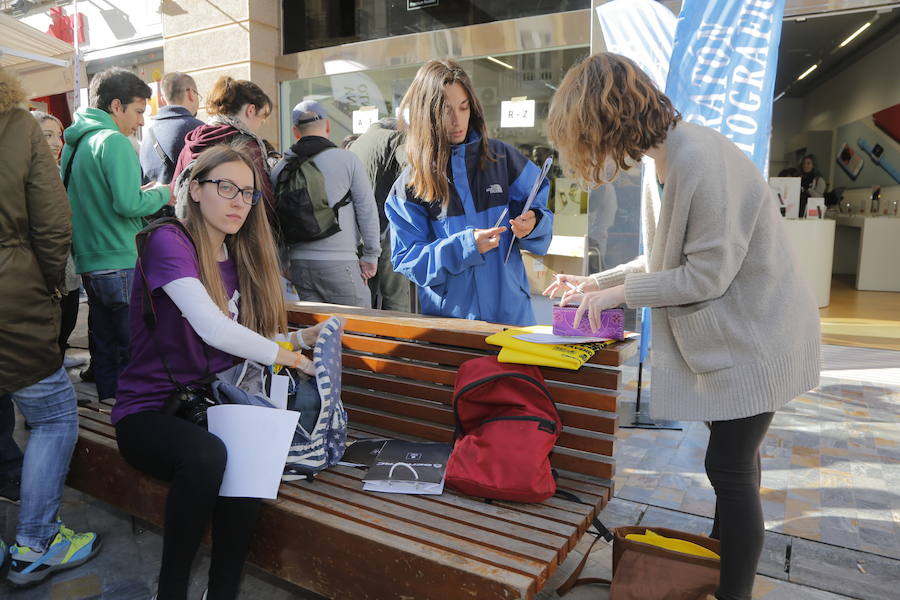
{"type": "Point", "coordinates": [450, 206]}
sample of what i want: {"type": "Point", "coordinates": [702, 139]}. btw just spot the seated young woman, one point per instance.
{"type": "Point", "coordinates": [217, 299]}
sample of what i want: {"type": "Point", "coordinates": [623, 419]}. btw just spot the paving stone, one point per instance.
{"type": "Point", "coordinates": [662, 517]}
{"type": "Point", "coordinates": [765, 588]}
{"type": "Point", "coordinates": [620, 513]}
{"type": "Point", "coordinates": [773, 556]}
{"type": "Point", "coordinates": [840, 570]}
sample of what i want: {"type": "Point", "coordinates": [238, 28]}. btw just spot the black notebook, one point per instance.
{"type": "Point", "coordinates": [409, 468]}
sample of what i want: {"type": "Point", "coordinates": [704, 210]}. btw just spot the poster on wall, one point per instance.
{"type": "Point", "coordinates": [850, 161]}
{"type": "Point", "coordinates": [568, 196]}
{"type": "Point", "coordinates": [869, 152]}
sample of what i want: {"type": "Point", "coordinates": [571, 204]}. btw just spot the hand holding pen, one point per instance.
{"type": "Point", "coordinates": [568, 286]}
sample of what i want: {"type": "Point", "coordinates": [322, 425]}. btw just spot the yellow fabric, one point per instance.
{"type": "Point", "coordinates": [563, 356]}
{"type": "Point", "coordinates": [287, 346]}
{"type": "Point", "coordinates": [683, 546]}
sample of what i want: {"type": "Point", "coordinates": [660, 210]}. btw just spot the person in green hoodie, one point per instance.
{"type": "Point", "coordinates": [102, 174]}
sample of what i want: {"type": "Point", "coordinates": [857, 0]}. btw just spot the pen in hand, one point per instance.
{"type": "Point", "coordinates": [502, 216]}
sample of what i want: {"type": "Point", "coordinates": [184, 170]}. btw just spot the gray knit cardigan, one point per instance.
{"type": "Point", "coordinates": [735, 324]}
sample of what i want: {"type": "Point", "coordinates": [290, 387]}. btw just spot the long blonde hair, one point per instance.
{"type": "Point", "coordinates": [253, 249]}
{"type": "Point", "coordinates": [607, 109]}
{"type": "Point", "coordinates": [427, 144]}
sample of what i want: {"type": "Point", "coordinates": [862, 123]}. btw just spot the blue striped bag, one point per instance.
{"type": "Point", "coordinates": [321, 435]}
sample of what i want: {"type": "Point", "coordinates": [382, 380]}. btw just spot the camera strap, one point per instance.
{"type": "Point", "coordinates": [149, 310]}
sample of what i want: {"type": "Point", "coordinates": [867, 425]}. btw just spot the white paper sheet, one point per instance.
{"type": "Point", "coordinates": [549, 338]}
{"type": "Point", "coordinates": [258, 440]}
{"type": "Point", "coordinates": [278, 391]}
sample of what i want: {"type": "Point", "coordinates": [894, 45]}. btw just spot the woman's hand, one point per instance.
{"type": "Point", "coordinates": [594, 303]}
{"type": "Point", "coordinates": [523, 224]}
{"type": "Point", "coordinates": [306, 338]}
{"type": "Point", "coordinates": [295, 360]}
{"type": "Point", "coordinates": [487, 239]}
{"type": "Point", "coordinates": [564, 284]}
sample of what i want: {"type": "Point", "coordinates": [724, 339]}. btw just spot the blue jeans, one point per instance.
{"type": "Point", "coordinates": [49, 408]}
{"type": "Point", "coordinates": [108, 295]}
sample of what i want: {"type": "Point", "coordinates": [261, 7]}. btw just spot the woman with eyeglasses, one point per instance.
{"type": "Point", "coordinates": [215, 292]}
{"type": "Point", "coordinates": [238, 109]}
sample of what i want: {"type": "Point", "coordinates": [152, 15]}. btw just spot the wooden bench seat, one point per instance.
{"type": "Point", "coordinates": [331, 537]}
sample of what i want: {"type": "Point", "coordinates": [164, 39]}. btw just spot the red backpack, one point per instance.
{"type": "Point", "coordinates": [506, 426]}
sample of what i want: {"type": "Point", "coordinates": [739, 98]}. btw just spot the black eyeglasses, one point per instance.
{"type": "Point", "coordinates": [228, 190]}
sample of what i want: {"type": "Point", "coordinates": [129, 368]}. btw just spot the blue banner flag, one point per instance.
{"type": "Point", "coordinates": [722, 72]}
{"type": "Point", "coordinates": [642, 30]}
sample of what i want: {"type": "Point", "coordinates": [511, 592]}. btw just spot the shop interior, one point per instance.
{"type": "Point", "coordinates": [835, 98]}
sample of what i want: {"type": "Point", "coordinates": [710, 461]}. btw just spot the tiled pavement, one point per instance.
{"type": "Point", "coordinates": [831, 461]}
{"type": "Point", "coordinates": [831, 483]}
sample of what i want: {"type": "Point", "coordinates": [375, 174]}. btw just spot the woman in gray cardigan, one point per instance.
{"type": "Point", "coordinates": [735, 327]}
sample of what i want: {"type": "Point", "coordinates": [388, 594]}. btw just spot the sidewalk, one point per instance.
{"type": "Point", "coordinates": [831, 475]}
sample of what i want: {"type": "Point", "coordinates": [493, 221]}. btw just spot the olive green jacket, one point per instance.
{"type": "Point", "coordinates": [35, 232]}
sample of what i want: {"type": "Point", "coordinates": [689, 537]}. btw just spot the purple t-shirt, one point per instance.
{"type": "Point", "coordinates": [145, 385]}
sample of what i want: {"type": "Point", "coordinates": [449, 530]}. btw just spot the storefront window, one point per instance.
{"type": "Point", "coordinates": [310, 24]}
{"type": "Point", "coordinates": [592, 230]}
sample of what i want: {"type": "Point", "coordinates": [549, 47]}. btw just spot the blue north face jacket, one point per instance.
{"type": "Point", "coordinates": [437, 251]}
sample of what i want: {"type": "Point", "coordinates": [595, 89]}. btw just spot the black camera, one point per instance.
{"type": "Point", "coordinates": [189, 403]}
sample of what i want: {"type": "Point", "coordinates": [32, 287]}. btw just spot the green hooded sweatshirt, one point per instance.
{"type": "Point", "coordinates": [104, 189]}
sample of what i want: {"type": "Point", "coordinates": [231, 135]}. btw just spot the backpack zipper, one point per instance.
{"type": "Point", "coordinates": [498, 376]}
{"type": "Point", "coordinates": [459, 431]}
{"type": "Point", "coordinates": [543, 424]}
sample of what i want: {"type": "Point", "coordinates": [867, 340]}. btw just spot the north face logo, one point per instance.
{"type": "Point", "coordinates": [495, 189]}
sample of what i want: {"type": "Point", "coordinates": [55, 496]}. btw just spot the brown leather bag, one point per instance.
{"type": "Point", "coordinates": [645, 572]}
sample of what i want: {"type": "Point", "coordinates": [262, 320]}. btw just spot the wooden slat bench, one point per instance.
{"type": "Point", "coordinates": [331, 537]}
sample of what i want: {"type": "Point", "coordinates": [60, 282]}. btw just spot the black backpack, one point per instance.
{"type": "Point", "coordinates": [301, 201]}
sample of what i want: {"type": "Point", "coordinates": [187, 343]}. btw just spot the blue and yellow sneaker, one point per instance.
{"type": "Point", "coordinates": [68, 549]}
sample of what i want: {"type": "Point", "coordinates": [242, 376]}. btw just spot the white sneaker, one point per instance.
{"type": "Point", "coordinates": [70, 362]}
{"type": "Point", "coordinates": [204, 593]}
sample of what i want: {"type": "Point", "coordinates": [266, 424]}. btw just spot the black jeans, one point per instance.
{"type": "Point", "coordinates": [193, 460]}
{"type": "Point", "coordinates": [69, 306]}
{"type": "Point", "coordinates": [10, 454]}
{"type": "Point", "coordinates": [733, 468]}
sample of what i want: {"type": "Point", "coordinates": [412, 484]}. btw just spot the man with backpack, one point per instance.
{"type": "Point", "coordinates": [380, 149]}
{"type": "Point", "coordinates": [326, 208]}
{"type": "Point", "coordinates": [163, 143]}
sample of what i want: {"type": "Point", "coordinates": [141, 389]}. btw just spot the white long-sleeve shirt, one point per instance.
{"type": "Point", "coordinates": [216, 329]}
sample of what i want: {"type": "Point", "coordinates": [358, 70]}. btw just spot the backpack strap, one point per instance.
{"type": "Point", "coordinates": [151, 137]}
{"type": "Point", "coordinates": [148, 311]}
{"type": "Point", "coordinates": [574, 581]}
{"type": "Point", "coordinates": [602, 534]}
{"type": "Point", "coordinates": [147, 308]}
{"type": "Point", "coordinates": [71, 161]}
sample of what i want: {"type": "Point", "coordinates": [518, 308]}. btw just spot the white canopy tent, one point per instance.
{"type": "Point", "coordinates": [42, 62]}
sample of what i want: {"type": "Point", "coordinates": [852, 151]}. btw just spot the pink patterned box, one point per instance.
{"type": "Point", "coordinates": [612, 323]}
